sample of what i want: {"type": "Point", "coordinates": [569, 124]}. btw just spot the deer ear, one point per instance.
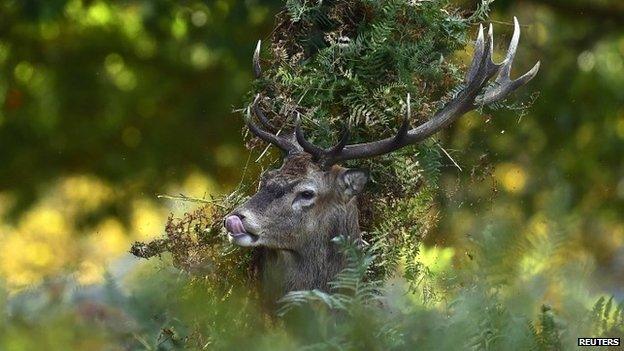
{"type": "Point", "coordinates": [353, 181]}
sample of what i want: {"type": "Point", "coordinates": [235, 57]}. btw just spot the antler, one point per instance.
{"type": "Point", "coordinates": [290, 143]}
{"type": "Point", "coordinates": [481, 71]}
{"type": "Point", "coordinates": [286, 144]}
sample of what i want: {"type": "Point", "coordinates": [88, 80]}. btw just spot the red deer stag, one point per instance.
{"type": "Point", "coordinates": [301, 206]}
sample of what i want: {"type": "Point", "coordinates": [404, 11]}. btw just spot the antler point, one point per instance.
{"type": "Point", "coordinates": [533, 72]}
{"type": "Point", "coordinates": [256, 60]}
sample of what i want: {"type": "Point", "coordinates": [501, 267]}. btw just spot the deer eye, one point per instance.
{"type": "Point", "coordinates": [306, 194]}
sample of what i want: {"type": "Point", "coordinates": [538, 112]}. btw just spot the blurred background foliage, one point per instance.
{"type": "Point", "coordinates": [106, 104]}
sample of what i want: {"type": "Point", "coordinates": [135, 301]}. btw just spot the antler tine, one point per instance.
{"type": "Point", "coordinates": [257, 70]}
{"type": "Point", "coordinates": [505, 71]}
{"type": "Point", "coordinates": [323, 156]}
{"type": "Point", "coordinates": [504, 85]}
{"type": "Point", "coordinates": [272, 137]}
{"type": "Point", "coordinates": [307, 146]}
{"type": "Point", "coordinates": [405, 126]}
{"type": "Point", "coordinates": [491, 67]}
{"type": "Point", "coordinates": [283, 144]}
{"type": "Point", "coordinates": [478, 56]}
{"type": "Point", "coordinates": [261, 116]}
{"type": "Point", "coordinates": [482, 69]}
{"type": "Point", "coordinates": [344, 139]}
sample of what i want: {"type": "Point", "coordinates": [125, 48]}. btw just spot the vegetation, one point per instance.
{"type": "Point", "coordinates": [503, 234]}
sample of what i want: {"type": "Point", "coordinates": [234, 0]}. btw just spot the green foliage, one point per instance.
{"type": "Point", "coordinates": [523, 259]}
{"type": "Point", "coordinates": [547, 336]}
{"type": "Point", "coordinates": [352, 63]}
{"type": "Point", "coordinates": [608, 318]}
{"type": "Point", "coordinates": [169, 310]}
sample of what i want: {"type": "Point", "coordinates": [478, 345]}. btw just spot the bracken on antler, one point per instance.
{"type": "Point", "coordinates": [478, 90]}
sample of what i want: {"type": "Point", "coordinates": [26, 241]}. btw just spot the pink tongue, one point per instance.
{"type": "Point", "coordinates": [234, 225]}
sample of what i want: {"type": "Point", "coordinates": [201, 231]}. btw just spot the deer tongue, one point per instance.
{"type": "Point", "coordinates": [234, 225]}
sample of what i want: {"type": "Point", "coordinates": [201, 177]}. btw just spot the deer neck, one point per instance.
{"type": "Point", "coordinates": [317, 263]}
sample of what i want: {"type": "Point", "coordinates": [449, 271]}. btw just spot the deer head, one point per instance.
{"type": "Point", "coordinates": [296, 205]}
{"type": "Point", "coordinates": [300, 207]}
